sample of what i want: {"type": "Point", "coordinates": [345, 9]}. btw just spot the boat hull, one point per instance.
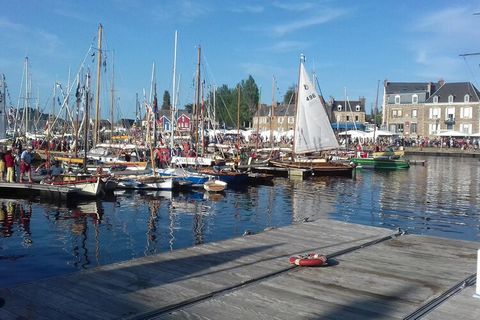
{"type": "Point", "coordinates": [317, 168]}
{"type": "Point", "coordinates": [387, 164]}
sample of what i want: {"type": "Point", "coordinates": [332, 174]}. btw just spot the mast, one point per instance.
{"type": "Point", "coordinates": [272, 113]}
{"type": "Point", "coordinates": [258, 123]}
{"type": "Point", "coordinates": [238, 117]}
{"type": "Point", "coordinates": [25, 111]}
{"type": "Point", "coordinates": [113, 100]}
{"type": "Point", "coordinates": [86, 121]}
{"type": "Point", "coordinates": [197, 101]}
{"type": "Point", "coordinates": [174, 98]}
{"type": "Point", "coordinates": [375, 113]}
{"type": "Point", "coordinates": [3, 104]}
{"type": "Point", "coordinates": [97, 100]}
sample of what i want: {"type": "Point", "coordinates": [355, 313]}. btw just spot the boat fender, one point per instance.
{"type": "Point", "coordinates": [309, 260]}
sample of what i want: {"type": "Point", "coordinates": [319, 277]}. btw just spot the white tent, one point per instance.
{"type": "Point", "coordinates": [452, 133]}
{"type": "Point", "coordinates": [353, 133]}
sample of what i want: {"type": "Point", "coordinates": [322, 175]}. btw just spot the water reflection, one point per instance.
{"type": "Point", "coordinates": [16, 213]}
{"type": "Point", "coordinates": [40, 240]}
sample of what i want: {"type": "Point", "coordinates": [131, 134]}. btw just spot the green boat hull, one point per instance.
{"type": "Point", "coordinates": [381, 163]}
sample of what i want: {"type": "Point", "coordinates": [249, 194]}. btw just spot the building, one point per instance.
{"type": "Point", "coordinates": [283, 118]}
{"type": "Point", "coordinates": [347, 115]}
{"type": "Point", "coordinates": [427, 109]}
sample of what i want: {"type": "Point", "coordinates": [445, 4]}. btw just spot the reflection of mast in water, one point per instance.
{"type": "Point", "coordinates": [151, 247]}
{"type": "Point", "coordinates": [80, 228]}
{"type": "Point", "coordinates": [198, 228]}
{"type": "Point", "coordinates": [25, 222]}
{"type": "Point", "coordinates": [171, 227]}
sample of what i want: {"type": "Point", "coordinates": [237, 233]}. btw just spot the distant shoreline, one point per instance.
{"type": "Point", "coordinates": [447, 152]}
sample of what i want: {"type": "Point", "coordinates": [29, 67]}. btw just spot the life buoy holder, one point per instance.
{"type": "Point", "coordinates": [309, 260]}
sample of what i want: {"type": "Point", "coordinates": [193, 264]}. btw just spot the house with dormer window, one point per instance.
{"type": "Point", "coordinates": [347, 115]}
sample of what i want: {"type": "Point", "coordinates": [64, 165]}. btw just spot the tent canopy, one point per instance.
{"type": "Point", "coordinates": [452, 133]}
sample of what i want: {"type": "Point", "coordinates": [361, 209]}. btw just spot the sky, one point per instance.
{"type": "Point", "coordinates": [350, 45]}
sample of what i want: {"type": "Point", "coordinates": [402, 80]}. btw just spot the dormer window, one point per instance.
{"type": "Point", "coordinates": [450, 99]}
{"type": "Point", "coordinates": [466, 98]}
{"type": "Point", "coordinates": [339, 107]}
{"type": "Point", "coordinates": [397, 99]}
{"type": "Point", "coordinates": [357, 108]}
{"type": "Point", "coordinates": [435, 99]}
{"type": "Point", "coordinates": [414, 99]}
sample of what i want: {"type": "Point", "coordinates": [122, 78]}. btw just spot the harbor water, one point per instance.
{"type": "Point", "coordinates": [40, 240]}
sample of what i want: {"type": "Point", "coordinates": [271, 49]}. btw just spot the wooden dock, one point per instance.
{"type": "Point", "coordinates": [250, 278]}
{"type": "Point", "coordinates": [28, 190]}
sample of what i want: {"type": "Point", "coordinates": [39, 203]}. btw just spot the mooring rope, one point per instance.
{"type": "Point", "coordinates": [430, 306]}
{"type": "Point", "coordinates": [203, 297]}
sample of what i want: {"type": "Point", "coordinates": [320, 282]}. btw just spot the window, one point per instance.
{"type": "Point", "coordinates": [291, 119]}
{"type": "Point", "coordinates": [348, 118]}
{"type": "Point", "coordinates": [450, 99]}
{"type": "Point", "coordinates": [357, 108]}
{"type": "Point", "coordinates": [414, 99]}
{"type": "Point", "coordinates": [414, 113]}
{"type": "Point", "coordinates": [466, 98]}
{"type": "Point", "coordinates": [450, 114]}
{"type": "Point", "coordinates": [356, 118]}
{"type": "Point", "coordinates": [466, 128]}
{"type": "Point", "coordinates": [339, 107]}
{"type": "Point", "coordinates": [400, 127]}
{"type": "Point", "coordinates": [466, 112]}
{"type": "Point", "coordinates": [280, 120]}
{"type": "Point", "coordinates": [435, 99]}
{"type": "Point", "coordinates": [397, 99]}
{"type": "Point", "coordinates": [434, 113]}
{"type": "Point", "coordinates": [433, 128]}
{"type": "Point", "coordinates": [413, 128]}
{"type": "Point", "coordinates": [396, 113]}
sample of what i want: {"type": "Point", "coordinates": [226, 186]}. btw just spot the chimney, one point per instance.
{"type": "Point", "coordinates": [441, 82]}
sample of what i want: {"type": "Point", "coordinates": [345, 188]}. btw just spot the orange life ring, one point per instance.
{"type": "Point", "coordinates": [310, 260]}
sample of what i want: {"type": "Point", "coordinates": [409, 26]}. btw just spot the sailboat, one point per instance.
{"type": "Point", "coordinates": [313, 132]}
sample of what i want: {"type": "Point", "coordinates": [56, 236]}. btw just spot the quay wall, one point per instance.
{"type": "Point", "coordinates": [442, 152]}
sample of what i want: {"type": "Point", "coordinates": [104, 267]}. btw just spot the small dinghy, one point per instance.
{"type": "Point", "coordinates": [215, 185]}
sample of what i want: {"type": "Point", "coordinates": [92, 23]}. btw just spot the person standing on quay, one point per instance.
{"type": "Point", "coordinates": [9, 163]}
{"type": "Point", "coordinates": [25, 164]}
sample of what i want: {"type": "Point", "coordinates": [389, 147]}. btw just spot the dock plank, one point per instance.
{"type": "Point", "coordinates": [233, 279]}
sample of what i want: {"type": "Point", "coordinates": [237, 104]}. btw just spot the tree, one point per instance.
{"type": "Point", "coordinates": [290, 96]}
{"type": "Point", "coordinates": [166, 100]}
{"type": "Point", "coordinates": [188, 107]}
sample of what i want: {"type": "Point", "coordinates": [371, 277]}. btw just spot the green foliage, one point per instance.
{"type": "Point", "coordinates": [166, 100]}
{"type": "Point", "coordinates": [188, 107]}
{"type": "Point", "coordinates": [227, 103]}
{"type": "Point", "coordinates": [290, 96]}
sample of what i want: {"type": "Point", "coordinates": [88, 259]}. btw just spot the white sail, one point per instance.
{"type": "Point", "coordinates": [313, 131]}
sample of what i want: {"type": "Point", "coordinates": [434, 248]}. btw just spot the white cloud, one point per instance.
{"type": "Point", "coordinates": [184, 10]}
{"type": "Point", "coordinates": [248, 9]}
{"type": "Point", "coordinates": [306, 22]}
{"type": "Point", "coordinates": [286, 46]}
{"type": "Point", "coordinates": [439, 37]}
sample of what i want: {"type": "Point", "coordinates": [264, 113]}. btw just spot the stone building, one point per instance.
{"type": "Point", "coordinates": [347, 115]}
{"type": "Point", "coordinates": [283, 118]}
{"type": "Point", "coordinates": [427, 109]}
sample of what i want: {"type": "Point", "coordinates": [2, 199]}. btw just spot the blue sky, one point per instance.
{"type": "Point", "coordinates": [349, 44]}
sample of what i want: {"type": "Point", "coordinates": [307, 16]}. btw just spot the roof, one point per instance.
{"type": "Point", "coordinates": [407, 87]}
{"type": "Point", "coordinates": [349, 104]}
{"type": "Point", "coordinates": [456, 89]}
{"type": "Point", "coordinates": [280, 110]}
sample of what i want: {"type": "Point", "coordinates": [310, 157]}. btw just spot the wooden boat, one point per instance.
{"type": "Point", "coordinates": [85, 185]}
{"type": "Point", "coordinates": [313, 132]}
{"type": "Point", "coordinates": [214, 186]}
{"type": "Point", "coordinates": [151, 182]}
{"type": "Point", "coordinates": [233, 178]}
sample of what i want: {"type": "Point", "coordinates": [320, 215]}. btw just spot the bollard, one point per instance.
{"type": "Point", "coordinates": [477, 291]}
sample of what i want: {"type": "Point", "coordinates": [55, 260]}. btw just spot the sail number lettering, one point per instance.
{"type": "Point", "coordinates": [311, 96]}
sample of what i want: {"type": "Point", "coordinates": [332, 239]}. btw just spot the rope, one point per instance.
{"type": "Point", "coordinates": [203, 297]}
{"type": "Point", "coordinates": [430, 306]}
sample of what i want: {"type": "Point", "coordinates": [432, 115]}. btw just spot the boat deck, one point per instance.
{"type": "Point", "coordinates": [251, 278]}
